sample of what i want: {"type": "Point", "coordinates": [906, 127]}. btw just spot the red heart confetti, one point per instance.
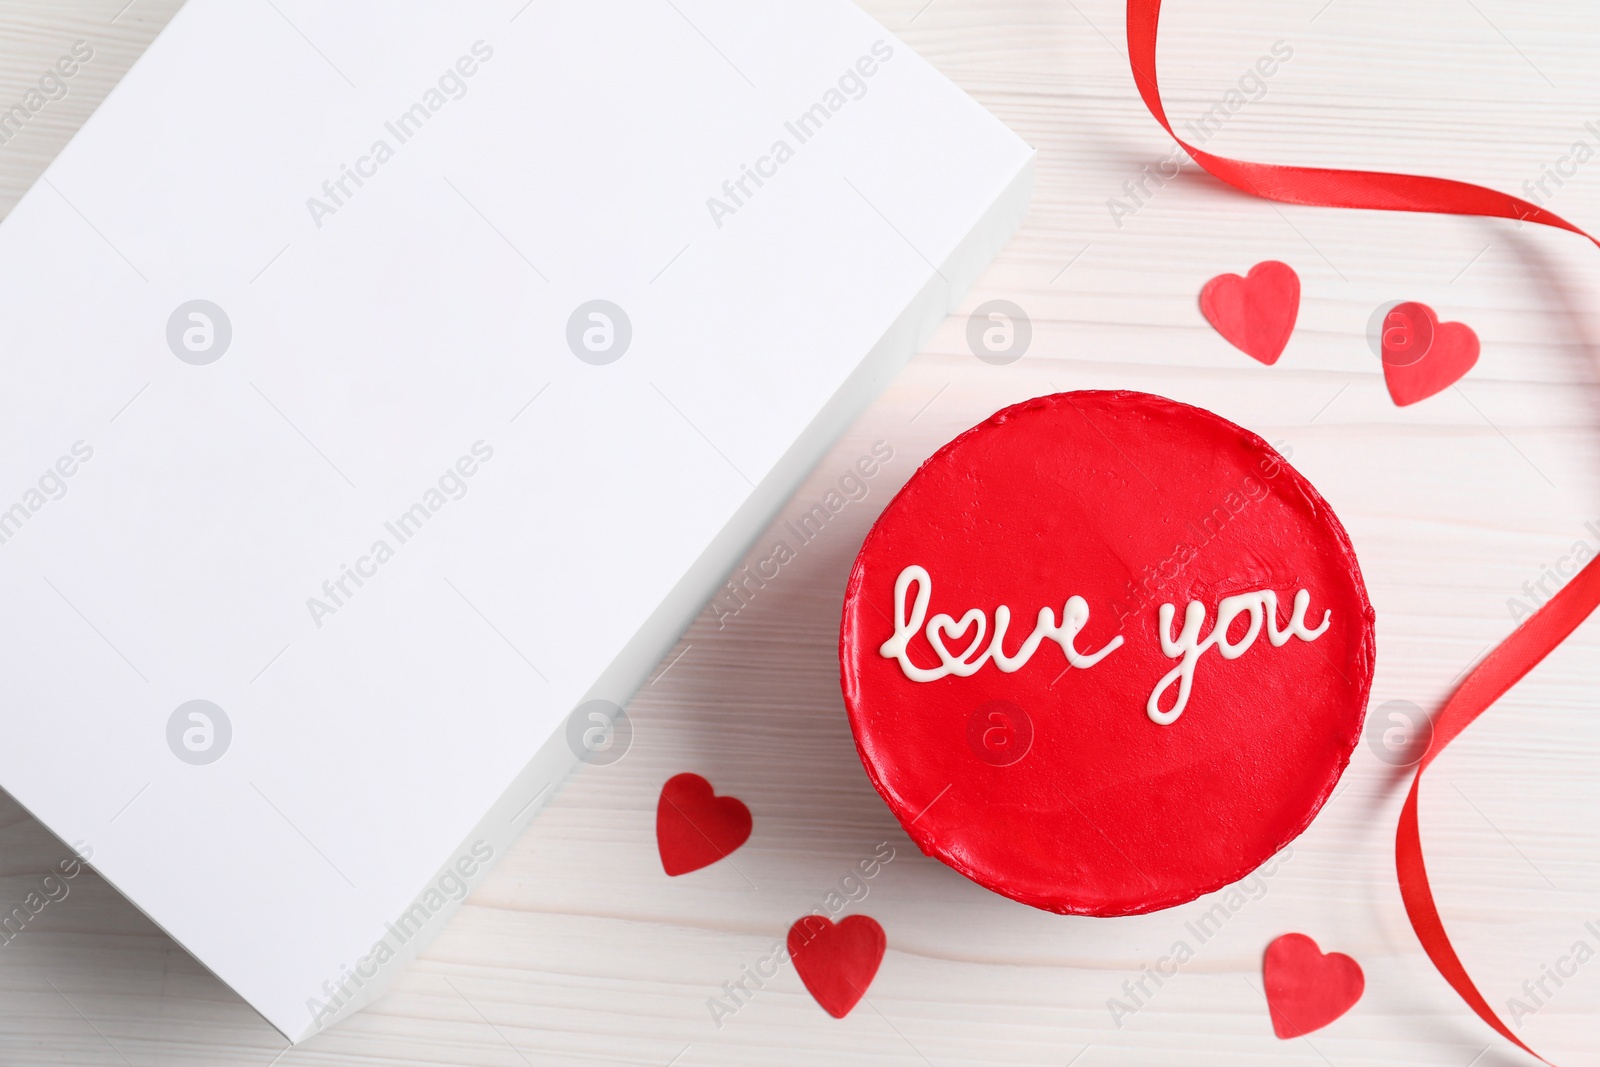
{"type": "Point", "coordinates": [1255, 314]}
{"type": "Point", "coordinates": [1307, 989]}
{"type": "Point", "coordinates": [837, 962]}
{"type": "Point", "coordinates": [1423, 356]}
{"type": "Point", "coordinates": [694, 827]}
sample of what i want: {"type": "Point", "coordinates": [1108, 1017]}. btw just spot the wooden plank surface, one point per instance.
{"type": "Point", "coordinates": [578, 950]}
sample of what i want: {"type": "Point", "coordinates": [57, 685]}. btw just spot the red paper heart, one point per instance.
{"type": "Point", "coordinates": [694, 827]}
{"type": "Point", "coordinates": [1256, 313]}
{"type": "Point", "coordinates": [1307, 990]}
{"type": "Point", "coordinates": [1423, 356]}
{"type": "Point", "coordinates": [837, 962]}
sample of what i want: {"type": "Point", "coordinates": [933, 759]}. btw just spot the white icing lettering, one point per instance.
{"type": "Point", "coordinates": [907, 625]}
{"type": "Point", "coordinates": [913, 590]}
{"type": "Point", "coordinates": [1262, 608]}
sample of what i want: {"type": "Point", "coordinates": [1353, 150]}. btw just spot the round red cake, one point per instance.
{"type": "Point", "coordinates": [1106, 652]}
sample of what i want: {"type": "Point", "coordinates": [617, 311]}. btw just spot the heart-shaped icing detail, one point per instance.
{"type": "Point", "coordinates": [942, 625]}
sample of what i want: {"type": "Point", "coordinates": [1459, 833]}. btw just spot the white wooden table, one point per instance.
{"type": "Point", "coordinates": [579, 950]}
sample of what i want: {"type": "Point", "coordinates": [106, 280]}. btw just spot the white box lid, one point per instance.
{"type": "Point", "coordinates": [418, 325]}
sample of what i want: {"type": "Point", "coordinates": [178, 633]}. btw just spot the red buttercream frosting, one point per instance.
{"type": "Point", "coordinates": [1060, 782]}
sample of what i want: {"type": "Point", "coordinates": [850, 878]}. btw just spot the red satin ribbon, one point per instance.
{"type": "Point", "coordinates": [1539, 635]}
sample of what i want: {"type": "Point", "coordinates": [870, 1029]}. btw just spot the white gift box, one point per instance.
{"type": "Point", "coordinates": [382, 382]}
